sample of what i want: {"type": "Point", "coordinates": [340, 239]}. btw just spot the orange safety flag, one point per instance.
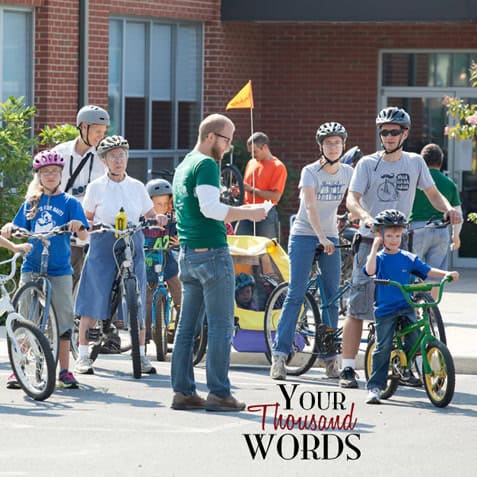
{"type": "Point", "coordinates": [243, 99]}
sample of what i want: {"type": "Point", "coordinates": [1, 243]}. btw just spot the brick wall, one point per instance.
{"type": "Point", "coordinates": [303, 74]}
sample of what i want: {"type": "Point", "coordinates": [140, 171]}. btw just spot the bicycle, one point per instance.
{"type": "Point", "coordinates": [313, 336]}
{"type": "Point", "coordinates": [33, 299]}
{"type": "Point", "coordinates": [126, 298]}
{"type": "Point", "coordinates": [437, 364]}
{"type": "Point", "coordinates": [28, 349]}
{"type": "Point", "coordinates": [164, 317]}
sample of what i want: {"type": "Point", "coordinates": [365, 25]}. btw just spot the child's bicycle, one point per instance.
{"type": "Point", "coordinates": [313, 337]}
{"type": "Point", "coordinates": [438, 370]}
{"type": "Point", "coordinates": [28, 349]}
{"type": "Point", "coordinates": [33, 299]}
{"type": "Point", "coordinates": [164, 318]}
{"type": "Point", "coordinates": [126, 297]}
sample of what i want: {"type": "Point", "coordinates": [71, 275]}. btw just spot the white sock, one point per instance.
{"type": "Point", "coordinates": [142, 350]}
{"type": "Point", "coordinates": [348, 363]}
{"type": "Point", "coordinates": [83, 351]}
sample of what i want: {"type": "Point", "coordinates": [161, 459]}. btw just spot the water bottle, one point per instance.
{"type": "Point", "coordinates": [121, 221]}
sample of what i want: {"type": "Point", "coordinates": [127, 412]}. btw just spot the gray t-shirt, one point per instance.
{"type": "Point", "coordinates": [330, 189]}
{"type": "Point", "coordinates": [389, 185]}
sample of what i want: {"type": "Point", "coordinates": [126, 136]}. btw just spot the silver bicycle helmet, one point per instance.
{"type": "Point", "coordinates": [111, 142]}
{"type": "Point", "coordinates": [158, 187]}
{"type": "Point", "coordinates": [330, 129]}
{"type": "Point", "coordinates": [394, 115]}
{"type": "Point", "coordinates": [91, 114]}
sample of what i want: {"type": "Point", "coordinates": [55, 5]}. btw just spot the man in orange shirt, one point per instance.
{"type": "Point", "coordinates": [264, 179]}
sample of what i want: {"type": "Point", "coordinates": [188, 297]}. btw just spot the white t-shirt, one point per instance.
{"type": "Point", "coordinates": [104, 198]}
{"type": "Point", "coordinates": [329, 189]}
{"type": "Point", "coordinates": [93, 168]}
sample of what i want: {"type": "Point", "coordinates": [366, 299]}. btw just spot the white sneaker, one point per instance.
{"type": "Point", "coordinates": [332, 368]}
{"type": "Point", "coordinates": [373, 396]}
{"type": "Point", "coordinates": [278, 369]}
{"type": "Point", "coordinates": [84, 365]}
{"type": "Point", "coordinates": [146, 366]}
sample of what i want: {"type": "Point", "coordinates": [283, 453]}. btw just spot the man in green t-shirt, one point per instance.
{"type": "Point", "coordinates": [206, 268]}
{"type": "Point", "coordinates": [432, 244]}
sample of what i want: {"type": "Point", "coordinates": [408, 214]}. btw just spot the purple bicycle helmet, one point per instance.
{"type": "Point", "coordinates": [47, 158]}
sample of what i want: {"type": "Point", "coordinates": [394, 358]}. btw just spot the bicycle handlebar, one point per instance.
{"type": "Point", "coordinates": [20, 232]}
{"type": "Point", "coordinates": [417, 287]}
{"type": "Point", "coordinates": [101, 227]}
{"type": "Point", "coordinates": [13, 269]}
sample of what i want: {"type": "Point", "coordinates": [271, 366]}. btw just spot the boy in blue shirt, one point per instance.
{"type": "Point", "coordinates": [391, 263]}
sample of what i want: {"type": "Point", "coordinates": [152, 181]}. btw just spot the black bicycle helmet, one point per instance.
{"type": "Point", "coordinates": [352, 156]}
{"type": "Point", "coordinates": [330, 129]}
{"type": "Point", "coordinates": [111, 142]}
{"type": "Point", "coordinates": [394, 115]}
{"type": "Point", "coordinates": [91, 114]}
{"type": "Point", "coordinates": [390, 218]}
{"type": "Point", "coordinates": [158, 187]}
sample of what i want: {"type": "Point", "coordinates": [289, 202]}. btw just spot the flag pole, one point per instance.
{"type": "Point", "coordinates": [253, 173]}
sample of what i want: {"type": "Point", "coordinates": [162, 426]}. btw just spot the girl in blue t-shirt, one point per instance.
{"type": "Point", "coordinates": [391, 263]}
{"type": "Point", "coordinates": [46, 207]}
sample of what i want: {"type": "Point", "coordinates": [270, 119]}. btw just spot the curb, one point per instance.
{"type": "Point", "coordinates": [463, 364]}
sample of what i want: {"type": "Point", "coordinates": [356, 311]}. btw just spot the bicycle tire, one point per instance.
{"type": "Point", "coordinates": [200, 343]}
{"type": "Point", "coordinates": [392, 382]}
{"type": "Point", "coordinates": [33, 364]}
{"type": "Point", "coordinates": [231, 185]}
{"type": "Point", "coordinates": [32, 309]}
{"type": "Point", "coordinates": [440, 384]}
{"type": "Point", "coordinates": [304, 346]}
{"type": "Point", "coordinates": [132, 309]}
{"type": "Point", "coordinates": [435, 318]}
{"type": "Point", "coordinates": [159, 330]}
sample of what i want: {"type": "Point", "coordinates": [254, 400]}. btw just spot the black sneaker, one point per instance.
{"type": "Point", "coordinates": [410, 380]}
{"type": "Point", "coordinates": [348, 378]}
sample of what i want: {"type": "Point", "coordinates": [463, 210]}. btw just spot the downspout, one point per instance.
{"type": "Point", "coordinates": [83, 53]}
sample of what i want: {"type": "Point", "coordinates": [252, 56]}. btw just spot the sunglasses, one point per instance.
{"type": "Point", "coordinates": [390, 132]}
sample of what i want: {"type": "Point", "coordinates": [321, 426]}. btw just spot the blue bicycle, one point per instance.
{"type": "Point", "coordinates": [313, 336]}
{"type": "Point", "coordinates": [163, 318]}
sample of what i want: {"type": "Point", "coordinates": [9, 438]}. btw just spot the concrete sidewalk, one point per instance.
{"type": "Point", "coordinates": [459, 312]}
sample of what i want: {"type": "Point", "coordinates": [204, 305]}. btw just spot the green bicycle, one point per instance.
{"type": "Point", "coordinates": [438, 371]}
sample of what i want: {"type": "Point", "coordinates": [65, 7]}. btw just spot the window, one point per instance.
{"type": "Point", "coordinates": [155, 84]}
{"type": "Point", "coordinates": [427, 69]}
{"type": "Point", "coordinates": [15, 54]}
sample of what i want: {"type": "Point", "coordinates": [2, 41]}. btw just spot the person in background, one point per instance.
{"type": "Point", "coordinates": [264, 179]}
{"type": "Point", "coordinates": [82, 165]}
{"type": "Point", "coordinates": [432, 244]}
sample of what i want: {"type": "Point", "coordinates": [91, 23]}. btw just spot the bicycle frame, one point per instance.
{"type": "Point", "coordinates": [161, 288]}
{"type": "Point", "coordinates": [422, 325]}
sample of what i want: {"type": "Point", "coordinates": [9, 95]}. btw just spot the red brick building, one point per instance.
{"type": "Point", "coordinates": [161, 65]}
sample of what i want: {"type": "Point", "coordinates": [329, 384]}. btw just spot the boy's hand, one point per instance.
{"type": "Point", "coordinates": [74, 226]}
{"type": "Point", "coordinates": [454, 275]}
{"type": "Point", "coordinates": [162, 220]}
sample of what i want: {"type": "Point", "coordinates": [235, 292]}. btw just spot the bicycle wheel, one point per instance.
{"type": "Point", "coordinates": [435, 317]}
{"type": "Point", "coordinates": [129, 302]}
{"type": "Point", "coordinates": [32, 362]}
{"type": "Point", "coordinates": [392, 382]}
{"type": "Point", "coordinates": [200, 343]}
{"type": "Point", "coordinates": [304, 346]}
{"type": "Point", "coordinates": [29, 302]}
{"type": "Point", "coordinates": [159, 330]}
{"type": "Point", "coordinates": [231, 185]}
{"type": "Point", "coordinates": [440, 382]}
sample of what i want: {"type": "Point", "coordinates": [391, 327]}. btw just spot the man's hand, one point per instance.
{"type": "Point", "coordinates": [454, 216]}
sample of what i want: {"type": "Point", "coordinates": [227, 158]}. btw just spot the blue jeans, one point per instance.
{"type": "Point", "coordinates": [431, 245]}
{"type": "Point", "coordinates": [384, 327]}
{"type": "Point", "coordinates": [301, 250]}
{"type": "Point", "coordinates": [208, 283]}
{"type": "Point", "coordinates": [265, 228]}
